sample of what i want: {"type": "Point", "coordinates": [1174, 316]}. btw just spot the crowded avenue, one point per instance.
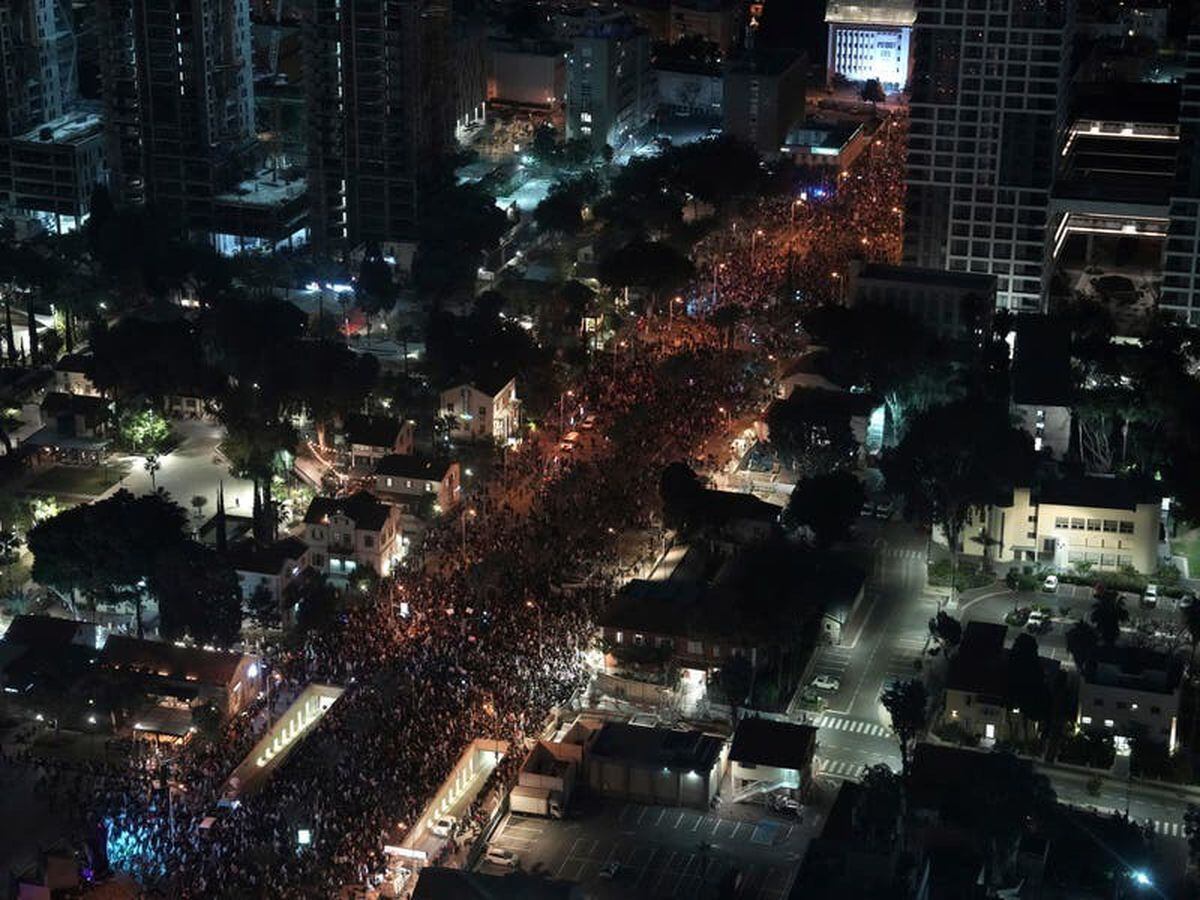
{"type": "Point", "coordinates": [481, 642]}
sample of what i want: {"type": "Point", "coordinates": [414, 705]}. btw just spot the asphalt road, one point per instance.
{"type": "Point", "coordinates": [853, 731]}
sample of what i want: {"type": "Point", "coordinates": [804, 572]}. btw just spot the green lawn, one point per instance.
{"type": "Point", "coordinates": [1188, 547]}
{"type": "Point", "coordinates": [79, 481]}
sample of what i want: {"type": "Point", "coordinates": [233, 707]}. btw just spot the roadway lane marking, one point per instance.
{"type": "Point", "coordinates": [855, 726]}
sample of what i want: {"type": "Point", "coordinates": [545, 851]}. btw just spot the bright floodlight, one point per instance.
{"type": "Point", "coordinates": [303, 837]}
{"type": "Point", "coordinates": [1140, 878]}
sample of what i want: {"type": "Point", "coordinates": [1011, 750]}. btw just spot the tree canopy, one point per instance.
{"type": "Point", "coordinates": [829, 504]}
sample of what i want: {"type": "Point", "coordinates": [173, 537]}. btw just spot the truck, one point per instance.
{"type": "Point", "coordinates": [535, 801]}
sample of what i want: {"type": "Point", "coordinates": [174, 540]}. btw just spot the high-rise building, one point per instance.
{"type": "Point", "coordinates": [37, 63]}
{"type": "Point", "coordinates": [870, 40]}
{"type": "Point", "coordinates": [380, 102]}
{"type": "Point", "coordinates": [1181, 256]}
{"type": "Point", "coordinates": [764, 97]}
{"type": "Point", "coordinates": [611, 87]}
{"type": "Point", "coordinates": [989, 78]}
{"type": "Point", "coordinates": [178, 101]}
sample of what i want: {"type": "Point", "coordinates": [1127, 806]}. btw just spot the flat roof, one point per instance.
{"type": "Point", "coordinates": [413, 465]}
{"type": "Point", "coordinates": [72, 128]}
{"type": "Point", "coordinates": [767, 742]}
{"type": "Point", "coordinates": [214, 667]}
{"type": "Point", "coordinates": [893, 13]}
{"type": "Point", "coordinates": [265, 188]}
{"type": "Point", "coordinates": [920, 275]}
{"type": "Point", "coordinates": [692, 751]}
{"type": "Point", "coordinates": [1139, 101]}
{"type": "Point", "coordinates": [1098, 492]}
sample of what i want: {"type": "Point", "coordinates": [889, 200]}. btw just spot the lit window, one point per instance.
{"type": "Point", "coordinates": [1108, 723]}
{"type": "Point", "coordinates": [585, 117]}
{"type": "Point", "coordinates": [1086, 720]}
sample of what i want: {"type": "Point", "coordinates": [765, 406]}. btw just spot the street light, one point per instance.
{"type": "Point", "coordinates": [470, 511]}
{"type": "Point", "coordinates": [754, 244]}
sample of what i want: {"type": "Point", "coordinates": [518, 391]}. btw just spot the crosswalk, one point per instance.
{"type": "Point", "coordinates": [839, 768]}
{"type": "Point", "coordinates": [1168, 829]}
{"type": "Point", "coordinates": [901, 553]}
{"type": "Point", "coordinates": [855, 726]}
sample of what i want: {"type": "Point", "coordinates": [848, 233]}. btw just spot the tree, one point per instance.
{"type": "Point", "coordinates": [1108, 614]}
{"type": "Point", "coordinates": [1082, 643]}
{"type": "Point", "coordinates": [562, 208]}
{"type": "Point", "coordinates": [736, 678]}
{"type": "Point", "coordinates": [828, 504]}
{"type": "Point", "coordinates": [1191, 622]}
{"type": "Point", "coordinates": [207, 721]}
{"type": "Point", "coordinates": [144, 431]}
{"type": "Point", "coordinates": [1027, 688]}
{"type": "Point", "coordinates": [947, 631]}
{"type": "Point", "coordinates": [680, 490]}
{"type": "Point", "coordinates": [652, 265]}
{"type": "Point", "coordinates": [458, 225]}
{"type": "Point", "coordinates": [198, 595]}
{"type": "Point", "coordinates": [1191, 827]}
{"type": "Point", "coordinates": [375, 291]}
{"type": "Point", "coordinates": [956, 459]}
{"type": "Point", "coordinates": [263, 608]}
{"type": "Point", "coordinates": [810, 431]}
{"type": "Point", "coordinates": [872, 91]}
{"type": "Point", "coordinates": [317, 603]}
{"type": "Point", "coordinates": [907, 702]}
{"type": "Point", "coordinates": [106, 549]}
{"type": "Point", "coordinates": [879, 807]}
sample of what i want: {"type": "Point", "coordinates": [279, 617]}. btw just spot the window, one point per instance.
{"type": "Point", "coordinates": [1086, 720]}
{"type": "Point", "coordinates": [1076, 524]}
{"type": "Point", "coordinates": [1093, 524]}
{"type": "Point", "coordinates": [368, 541]}
{"type": "Point", "coordinates": [620, 637]}
{"type": "Point", "coordinates": [639, 639]}
{"type": "Point", "coordinates": [389, 481]}
{"type": "Point", "coordinates": [1154, 710]}
{"type": "Point", "coordinates": [1126, 527]}
{"type": "Point", "coordinates": [695, 648]}
{"type": "Point", "coordinates": [1032, 535]}
{"type": "Point", "coordinates": [1108, 723]}
{"type": "Point", "coordinates": [1110, 525]}
{"type": "Point", "coordinates": [1062, 522]}
{"type": "Point", "coordinates": [1033, 518]}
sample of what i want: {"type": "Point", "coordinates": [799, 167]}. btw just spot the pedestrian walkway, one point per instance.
{"type": "Point", "coordinates": [857, 726]}
{"type": "Point", "coordinates": [902, 553]}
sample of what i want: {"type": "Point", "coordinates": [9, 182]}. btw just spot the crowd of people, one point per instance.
{"type": "Point", "coordinates": [483, 643]}
{"type": "Point", "coordinates": [484, 640]}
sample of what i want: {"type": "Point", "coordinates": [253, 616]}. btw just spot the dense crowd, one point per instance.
{"type": "Point", "coordinates": [485, 639]}
{"type": "Point", "coordinates": [489, 641]}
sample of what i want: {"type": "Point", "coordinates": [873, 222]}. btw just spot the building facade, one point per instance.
{"type": "Point", "coordinates": [611, 86]}
{"type": "Point", "coordinates": [345, 534]}
{"type": "Point", "coordinates": [178, 102]}
{"type": "Point", "coordinates": [38, 79]}
{"type": "Point", "coordinates": [380, 100]}
{"type": "Point", "coordinates": [483, 411]}
{"type": "Point", "coordinates": [1181, 256]}
{"type": "Point", "coordinates": [987, 107]}
{"type": "Point", "coordinates": [952, 305]}
{"type": "Point", "coordinates": [1105, 521]}
{"type": "Point", "coordinates": [870, 40]}
{"type": "Point", "coordinates": [1126, 691]}
{"type": "Point", "coordinates": [764, 98]}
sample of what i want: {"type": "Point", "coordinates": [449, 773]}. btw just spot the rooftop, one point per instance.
{"type": "Point", "coordinates": [1041, 364]}
{"type": "Point", "coordinates": [367, 512]}
{"type": "Point", "coordinates": [767, 742]}
{"type": "Point", "coordinates": [57, 403]}
{"type": "Point", "coordinates": [269, 559]}
{"type": "Point", "coordinates": [413, 466]}
{"type": "Point", "coordinates": [436, 883]}
{"type": "Point", "coordinates": [264, 188]}
{"type": "Point", "coordinates": [879, 12]}
{"type": "Point", "coordinates": [371, 431]}
{"type": "Point", "coordinates": [1099, 492]}
{"type": "Point", "coordinates": [692, 751]}
{"type": "Point", "coordinates": [1134, 668]}
{"type": "Point", "coordinates": [74, 127]}
{"type": "Point", "coordinates": [980, 666]}
{"type": "Point", "coordinates": [765, 62]}
{"type": "Point", "coordinates": [970, 281]}
{"type": "Point", "coordinates": [490, 381]}
{"type": "Point", "coordinates": [212, 667]}
{"type": "Point", "coordinates": [1149, 102]}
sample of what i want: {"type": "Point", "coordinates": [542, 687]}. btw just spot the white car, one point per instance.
{"type": "Point", "coordinates": [1150, 596]}
{"type": "Point", "coordinates": [1050, 585]}
{"type": "Point", "coordinates": [500, 856]}
{"type": "Point", "coordinates": [443, 826]}
{"type": "Point", "coordinates": [825, 683]}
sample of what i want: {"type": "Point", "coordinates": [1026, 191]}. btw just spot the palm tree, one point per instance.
{"type": "Point", "coordinates": [1108, 614]}
{"type": "Point", "coordinates": [908, 704]}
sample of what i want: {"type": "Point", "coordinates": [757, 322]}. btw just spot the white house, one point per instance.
{"type": "Point", "coordinates": [484, 409]}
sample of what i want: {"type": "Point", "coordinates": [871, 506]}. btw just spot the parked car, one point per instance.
{"type": "Point", "coordinates": [588, 423]}
{"type": "Point", "coordinates": [1050, 585]}
{"type": "Point", "coordinates": [885, 508]}
{"type": "Point", "coordinates": [501, 856]}
{"type": "Point", "coordinates": [609, 870]}
{"type": "Point", "coordinates": [1150, 596]}
{"type": "Point", "coordinates": [825, 683]}
{"type": "Point", "coordinates": [1187, 600]}
{"type": "Point", "coordinates": [443, 826]}
{"type": "Point", "coordinates": [1038, 622]}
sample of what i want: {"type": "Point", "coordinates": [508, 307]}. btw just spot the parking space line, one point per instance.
{"type": "Point", "coordinates": [677, 821]}
{"type": "Point", "coordinates": [662, 812]}
{"type": "Point", "coordinates": [642, 814]}
{"type": "Point", "coordinates": [736, 826]}
{"type": "Point", "coordinates": [716, 825]}
{"type": "Point", "coordinates": [625, 810]}
{"type": "Point", "coordinates": [696, 824]}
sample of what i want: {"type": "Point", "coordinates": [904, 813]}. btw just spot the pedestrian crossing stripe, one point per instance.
{"type": "Point", "coordinates": [854, 726]}
{"type": "Point", "coordinates": [838, 768]}
{"type": "Point", "coordinates": [902, 553]}
{"type": "Point", "coordinates": [1170, 829]}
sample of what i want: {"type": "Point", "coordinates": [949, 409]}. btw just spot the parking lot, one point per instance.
{"type": "Point", "coordinates": [660, 851]}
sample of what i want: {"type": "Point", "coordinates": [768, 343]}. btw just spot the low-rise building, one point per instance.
{"type": "Point", "coordinates": [1126, 691]}
{"type": "Point", "coordinates": [547, 779]}
{"type": "Point", "coordinates": [345, 534]}
{"type": "Point", "coordinates": [527, 76]}
{"type": "Point", "coordinates": [771, 758]}
{"type": "Point", "coordinates": [368, 439]}
{"type": "Point", "coordinates": [73, 375]}
{"type": "Point", "coordinates": [656, 765]}
{"type": "Point", "coordinates": [227, 680]}
{"type": "Point", "coordinates": [486, 409]}
{"type": "Point", "coordinates": [1104, 520]}
{"type": "Point", "coordinates": [834, 146]}
{"type": "Point", "coordinates": [978, 691]}
{"type": "Point", "coordinates": [953, 305]}
{"type": "Point", "coordinates": [411, 480]}
{"type": "Point", "coordinates": [269, 567]}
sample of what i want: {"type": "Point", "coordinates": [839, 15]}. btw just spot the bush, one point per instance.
{"type": "Point", "coordinates": [1018, 617]}
{"type": "Point", "coordinates": [1095, 751]}
{"type": "Point", "coordinates": [1151, 760]}
{"type": "Point", "coordinates": [970, 575]}
{"type": "Point", "coordinates": [954, 733]}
